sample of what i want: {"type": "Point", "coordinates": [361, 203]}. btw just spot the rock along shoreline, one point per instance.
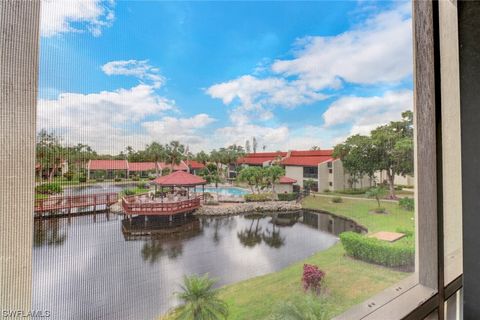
{"type": "Point", "coordinates": [247, 207]}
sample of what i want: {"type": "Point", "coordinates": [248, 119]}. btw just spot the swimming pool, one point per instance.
{"type": "Point", "coordinates": [225, 191]}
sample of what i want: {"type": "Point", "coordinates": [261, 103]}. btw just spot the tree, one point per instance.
{"type": "Point", "coordinates": [174, 152]}
{"type": "Point", "coordinates": [253, 176]}
{"type": "Point", "coordinates": [202, 157]}
{"type": "Point", "coordinates": [49, 152]}
{"type": "Point", "coordinates": [314, 148]}
{"type": "Point", "coordinates": [254, 144]}
{"type": "Point", "coordinates": [393, 148]}
{"type": "Point", "coordinates": [358, 157]}
{"type": "Point", "coordinates": [157, 153]}
{"type": "Point", "coordinates": [247, 146]}
{"type": "Point", "coordinates": [273, 175]}
{"type": "Point", "coordinates": [200, 300]}
{"type": "Point", "coordinates": [377, 192]}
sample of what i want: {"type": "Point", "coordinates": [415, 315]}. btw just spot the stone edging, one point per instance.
{"type": "Point", "coordinates": [248, 207]}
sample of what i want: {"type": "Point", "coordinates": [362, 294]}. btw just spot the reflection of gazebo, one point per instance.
{"type": "Point", "coordinates": [174, 203]}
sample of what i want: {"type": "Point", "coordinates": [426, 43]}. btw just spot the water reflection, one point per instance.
{"type": "Point", "coordinates": [48, 232]}
{"type": "Point", "coordinates": [109, 268]}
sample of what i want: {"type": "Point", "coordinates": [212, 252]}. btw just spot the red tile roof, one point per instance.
{"type": "Point", "coordinates": [177, 167]}
{"type": "Point", "coordinates": [310, 158]}
{"type": "Point", "coordinates": [260, 157]}
{"type": "Point", "coordinates": [195, 164]}
{"type": "Point", "coordinates": [141, 166]}
{"type": "Point", "coordinates": [108, 165]}
{"type": "Point", "coordinates": [287, 180]}
{"type": "Point", "coordinates": [179, 178]}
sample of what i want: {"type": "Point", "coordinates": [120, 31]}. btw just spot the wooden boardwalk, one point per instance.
{"type": "Point", "coordinates": [69, 202]}
{"type": "Point", "coordinates": [132, 207]}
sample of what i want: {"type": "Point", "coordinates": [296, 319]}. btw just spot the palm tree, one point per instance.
{"type": "Point", "coordinates": [274, 173]}
{"type": "Point", "coordinates": [200, 300]}
{"type": "Point", "coordinates": [175, 151]}
{"type": "Point", "coordinates": [307, 307]}
{"type": "Point", "coordinates": [156, 152]}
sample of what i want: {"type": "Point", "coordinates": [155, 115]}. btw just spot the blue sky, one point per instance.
{"type": "Point", "coordinates": [293, 74]}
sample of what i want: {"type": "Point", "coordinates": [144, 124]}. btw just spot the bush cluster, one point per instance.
{"type": "Point", "coordinates": [129, 192]}
{"type": "Point", "coordinates": [312, 278]}
{"type": "Point", "coordinates": [287, 196]}
{"type": "Point", "coordinates": [49, 188]}
{"type": "Point", "coordinates": [69, 175]}
{"type": "Point", "coordinates": [82, 179]}
{"type": "Point", "coordinates": [261, 197]}
{"type": "Point", "coordinates": [407, 204]}
{"type": "Point", "coordinates": [377, 251]}
{"type": "Point", "coordinates": [135, 178]}
{"type": "Point", "coordinates": [142, 185]}
{"type": "Point", "coordinates": [337, 200]}
{"type": "Point", "coordinates": [118, 179]}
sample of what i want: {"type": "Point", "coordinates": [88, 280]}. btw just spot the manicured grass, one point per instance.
{"type": "Point", "coordinates": [359, 210]}
{"type": "Point", "coordinates": [348, 281]}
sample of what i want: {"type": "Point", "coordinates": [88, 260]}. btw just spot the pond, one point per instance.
{"type": "Point", "coordinates": [102, 267]}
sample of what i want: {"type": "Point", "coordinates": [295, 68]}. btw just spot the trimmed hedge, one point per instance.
{"type": "Point", "coordinates": [377, 251]}
{"type": "Point", "coordinates": [82, 179]}
{"type": "Point", "coordinates": [337, 200]}
{"type": "Point", "coordinates": [353, 191]}
{"type": "Point", "coordinates": [287, 196]}
{"type": "Point", "coordinates": [261, 197]}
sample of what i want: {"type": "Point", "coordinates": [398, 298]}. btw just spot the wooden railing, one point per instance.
{"type": "Point", "coordinates": [131, 207]}
{"type": "Point", "coordinates": [69, 202]}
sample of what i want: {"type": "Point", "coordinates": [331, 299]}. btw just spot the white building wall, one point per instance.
{"type": "Point", "coordinates": [282, 188]}
{"type": "Point", "coordinates": [296, 173]}
{"type": "Point", "coordinates": [323, 177]}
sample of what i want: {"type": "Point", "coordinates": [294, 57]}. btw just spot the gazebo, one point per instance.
{"type": "Point", "coordinates": [179, 179]}
{"type": "Point", "coordinates": [144, 205]}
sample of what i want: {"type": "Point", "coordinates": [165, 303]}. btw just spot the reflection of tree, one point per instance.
{"type": "Point", "coordinates": [152, 250]}
{"type": "Point", "coordinates": [249, 237]}
{"type": "Point", "coordinates": [48, 233]}
{"type": "Point", "coordinates": [273, 238]}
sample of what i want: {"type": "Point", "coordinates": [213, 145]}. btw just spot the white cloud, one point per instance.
{"type": "Point", "coordinates": [137, 68]}
{"type": "Point", "coordinates": [255, 95]}
{"type": "Point", "coordinates": [377, 51]}
{"type": "Point", "coordinates": [366, 113]}
{"type": "Point", "coordinates": [185, 130]}
{"type": "Point", "coordinates": [63, 16]}
{"type": "Point", "coordinates": [271, 137]}
{"type": "Point", "coordinates": [107, 120]}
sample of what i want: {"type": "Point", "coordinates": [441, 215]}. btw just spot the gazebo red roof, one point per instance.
{"type": "Point", "coordinates": [179, 178]}
{"type": "Point", "coordinates": [287, 180]}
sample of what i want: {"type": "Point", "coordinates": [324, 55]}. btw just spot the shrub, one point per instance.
{"type": "Point", "coordinates": [312, 278]}
{"type": "Point", "coordinates": [212, 203]}
{"type": "Point", "coordinates": [377, 251]}
{"type": "Point", "coordinates": [142, 185]}
{"type": "Point", "coordinates": [261, 197]}
{"type": "Point", "coordinates": [407, 204]}
{"type": "Point", "coordinates": [118, 179]}
{"type": "Point", "coordinates": [99, 179]}
{"type": "Point", "coordinates": [406, 232]}
{"type": "Point", "coordinates": [129, 192]}
{"type": "Point", "coordinates": [151, 177]}
{"type": "Point", "coordinates": [69, 175]}
{"type": "Point", "coordinates": [135, 178]}
{"type": "Point", "coordinates": [398, 188]}
{"type": "Point", "coordinates": [337, 200]}
{"type": "Point", "coordinates": [49, 188]}
{"type": "Point", "coordinates": [326, 190]}
{"type": "Point", "coordinates": [287, 196]}
{"type": "Point", "coordinates": [82, 179]}
{"type": "Point", "coordinates": [353, 191]}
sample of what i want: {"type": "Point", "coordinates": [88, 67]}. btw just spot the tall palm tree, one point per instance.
{"type": "Point", "coordinates": [175, 151]}
{"type": "Point", "coordinates": [200, 300]}
{"type": "Point", "coordinates": [157, 153]}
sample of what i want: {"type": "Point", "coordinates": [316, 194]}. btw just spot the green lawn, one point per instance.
{"type": "Point", "coordinates": [348, 281]}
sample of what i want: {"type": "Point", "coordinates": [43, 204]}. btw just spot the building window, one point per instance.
{"type": "Point", "coordinates": [330, 171]}
{"type": "Point", "coordinates": [330, 184]}
{"type": "Point", "coordinates": [310, 172]}
{"type": "Point", "coordinates": [329, 164]}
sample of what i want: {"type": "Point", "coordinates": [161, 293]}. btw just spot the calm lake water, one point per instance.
{"type": "Point", "coordinates": [98, 267]}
